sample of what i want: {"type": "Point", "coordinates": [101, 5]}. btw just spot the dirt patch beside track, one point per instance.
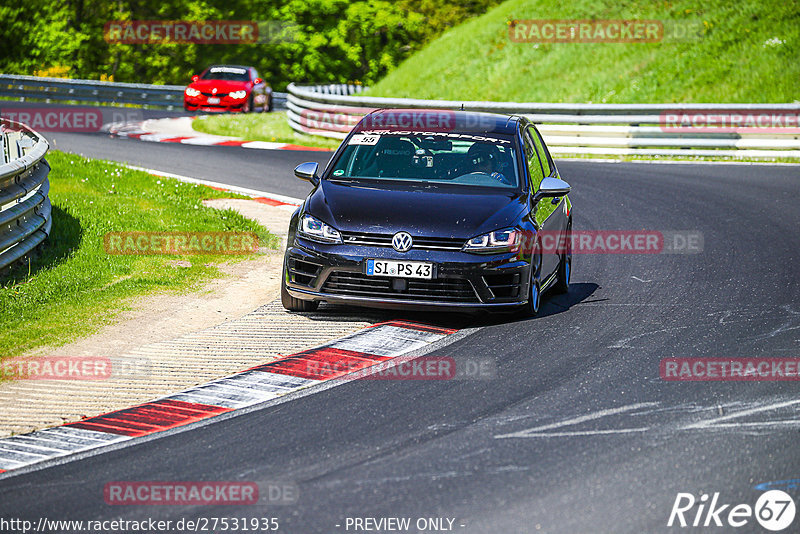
{"type": "Point", "coordinates": [166, 343]}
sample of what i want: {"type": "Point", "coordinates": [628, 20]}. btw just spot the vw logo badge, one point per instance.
{"type": "Point", "coordinates": [402, 241]}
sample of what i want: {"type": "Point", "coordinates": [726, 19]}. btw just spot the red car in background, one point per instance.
{"type": "Point", "coordinates": [228, 88]}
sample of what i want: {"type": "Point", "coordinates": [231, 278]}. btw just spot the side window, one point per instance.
{"type": "Point", "coordinates": [534, 164]}
{"type": "Point", "coordinates": [253, 74]}
{"type": "Point", "coordinates": [543, 155]}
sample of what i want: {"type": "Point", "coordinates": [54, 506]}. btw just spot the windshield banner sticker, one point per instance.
{"type": "Point", "coordinates": [361, 139]}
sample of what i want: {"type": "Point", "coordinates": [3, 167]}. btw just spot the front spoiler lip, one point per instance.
{"type": "Point", "coordinates": [214, 108]}
{"type": "Point", "coordinates": [400, 303]}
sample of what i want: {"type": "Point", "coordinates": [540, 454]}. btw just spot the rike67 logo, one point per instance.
{"type": "Point", "coordinates": [774, 510]}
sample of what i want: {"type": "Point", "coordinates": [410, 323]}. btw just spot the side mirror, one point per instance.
{"type": "Point", "coordinates": [258, 81]}
{"type": "Point", "coordinates": [308, 172]}
{"type": "Point", "coordinates": [551, 187]}
{"type": "Point", "coordinates": [195, 78]}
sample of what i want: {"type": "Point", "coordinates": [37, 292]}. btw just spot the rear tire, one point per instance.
{"type": "Point", "coordinates": [565, 265]}
{"type": "Point", "coordinates": [295, 304]}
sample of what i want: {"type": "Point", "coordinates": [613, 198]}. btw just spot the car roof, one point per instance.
{"type": "Point", "coordinates": [439, 120]}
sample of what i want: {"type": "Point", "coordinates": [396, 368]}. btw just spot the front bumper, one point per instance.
{"type": "Point", "coordinates": [200, 103]}
{"type": "Point", "coordinates": [336, 274]}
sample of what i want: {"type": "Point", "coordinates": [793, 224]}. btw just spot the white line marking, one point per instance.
{"type": "Point", "coordinates": [264, 145]}
{"type": "Point", "coordinates": [227, 187]}
{"type": "Point", "coordinates": [623, 343]}
{"type": "Point", "coordinates": [752, 424]}
{"type": "Point", "coordinates": [743, 413]}
{"type": "Point", "coordinates": [203, 141]}
{"type": "Point", "coordinates": [532, 432]}
{"type": "Point", "coordinates": [156, 137]}
{"type": "Point", "coordinates": [579, 433]}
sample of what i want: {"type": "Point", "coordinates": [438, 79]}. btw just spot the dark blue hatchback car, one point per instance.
{"type": "Point", "coordinates": [431, 209]}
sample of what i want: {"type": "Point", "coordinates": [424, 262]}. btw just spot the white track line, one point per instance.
{"type": "Point", "coordinates": [227, 187]}
{"type": "Point", "coordinates": [535, 432]}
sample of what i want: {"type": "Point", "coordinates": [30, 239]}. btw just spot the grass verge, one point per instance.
{"type": "Point", "coordinates": [271, 127]}
{"type": "Point", "coordinates": [73, 288]}
{"type": "Point", "coordinates": [744, 51]}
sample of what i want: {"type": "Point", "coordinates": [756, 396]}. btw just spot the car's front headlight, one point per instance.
{"type": "Point", "coordinates": [191, 91]}
{"type": "Point", "coordinates": [505, 240]}
{"type": "Point", "coordinates": [238, 94]}
{"type": "Point", "coordinates": [312, 228]}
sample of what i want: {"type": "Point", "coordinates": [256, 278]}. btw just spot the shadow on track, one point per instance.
{"type": "Point", "coordinates": [552, 304]}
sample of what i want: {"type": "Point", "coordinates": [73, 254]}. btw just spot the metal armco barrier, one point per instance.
{"type": "Point", "coordinates": [606, 129]}
{"type": "Point", "coordinates": [95, 92]}
{"type": "Point", "coordinates": [25, 212]}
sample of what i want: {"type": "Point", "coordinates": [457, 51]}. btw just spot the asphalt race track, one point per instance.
{"type": "Point", "coordinates": [577, 432]}
{"type": "Point", "coordinates": [264, 170]}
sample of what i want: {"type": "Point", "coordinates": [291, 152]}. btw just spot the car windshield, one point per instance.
{"type": "Point", "coordinates": [485, 160]}
{"type": "Point", "coordinates": [225, 73]}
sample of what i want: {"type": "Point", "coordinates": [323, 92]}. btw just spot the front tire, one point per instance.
{"type": "Point", "coordinates": [295, 304]}
{"type": "Point", "coordinates": [531, 308]}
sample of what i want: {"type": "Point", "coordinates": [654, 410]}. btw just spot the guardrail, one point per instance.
{"type": "Point", "coordinates": [603, 129]}
{"type": "Point", "coordinates": [95, 92]}
{"type": "Point", "coordinates": [25, 212]}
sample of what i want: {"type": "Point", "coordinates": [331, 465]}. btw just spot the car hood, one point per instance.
{"type": "Point", "coordinates": [222, 86]}
{"type": "Point", "coordinates": [426, 211]}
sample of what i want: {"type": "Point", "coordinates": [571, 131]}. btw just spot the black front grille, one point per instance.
{"type": "Point", "coordinates": [436, 290]}
{"type": "Point", "coordinates": [303, 272]}
{"type": "Point", "coordinates": [215, 94]}
{"type": "Point", "coordinates": [420, 243]}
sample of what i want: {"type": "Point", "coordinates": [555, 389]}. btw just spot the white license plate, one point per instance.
{"type": "Point", "coordinates": [400, 269]}
{"type": "Point", "coordinates": [213, 100]}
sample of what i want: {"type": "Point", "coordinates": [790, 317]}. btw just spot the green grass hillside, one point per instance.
{"type": "Point", "coordinates": [747, 51]}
